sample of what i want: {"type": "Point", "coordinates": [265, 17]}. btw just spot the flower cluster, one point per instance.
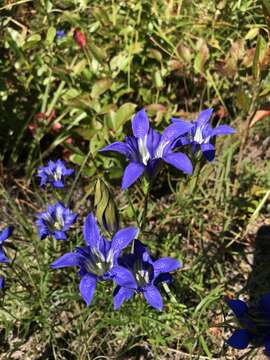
{"type": "Point", "coordinates": [254, 322]}
{"type": "Point", "coordinates": [100, 260]}
{"type": "Point", "coordinates": [147, 148]}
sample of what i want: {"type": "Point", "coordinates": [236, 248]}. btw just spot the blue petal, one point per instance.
{"type": "Point", "coordinates": [60, 235]}
{"type": "Point", "coordinates": [68, 172]}
{"type": "Point", "coordinates": [165, 265]}
{"type": "Point", "coordinates": [3, 257]}
{"type": "Point", "coordinates": [5, 233]}
{"type": "Point", "coordinates": [153, 139]}
{"type": "Point", "coordinates": [267, 346]}
{"type": "Point", "coordinates": [172, 132]}
{"type": "Point", "coordinates": [180, 161]}
{"type": "Point", "coordinates": [120, 295]}
{"type": "Point", "coordinates": [58, 184]}
{"type": "Point", "coordinates": [238, 307]}
{"type": "Point", "coordinates": [140, 124]}
{"type": "Point", "coordinates": [118, 146]}
{"type": "Point", "coordinates": [265, 303]}
{"type": "Point", "coordinates": [204, 117]}
{"type": "Point", "coordinates": [132, 172]}
{"type": "Point", "coordinates": [69, 259]}
{"type": "Point", "coordinates": [240, 339]}
{"type": "Point", "coordinates": [123, 238]}
{"type": "Point", "coordinates": [2, 282]}
{"type": "Point", "coordinates": [180, 126]}
{"type": "Point", "coordinates": [153, 297]}
{"type": "Point", "coordinates": [123, 277]}
{"type": "Point", "coordinates": [208, 151]}
{"type": "Point", "coordinates": [91, 231]}
{"type": "Point", "coordinates": [104, 245]}
{"type": "Point", "coordinates": [88, 287]}
{"type": "Point", "coordinates": [222, 130]}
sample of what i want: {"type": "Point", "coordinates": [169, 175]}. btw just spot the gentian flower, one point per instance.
{"type": "Point", "coordinates": [146, 273]}
{"type": "Point", "coordinates": [54, 173]}
{"type": "Point", "coordinates": [147, 148]}
{"type": "Point", "coordinates": [55, 221]}
{"type": "Point", "coordinates": [201, 134]}
{"type": "Point", "coordinates": [254, 322]}
{"type": "Point", "coordinates": [4, 234]}
{"type": "Point", "coordinates": [60, 34]}
{"type": "Point", "coordinates": [98, 259]}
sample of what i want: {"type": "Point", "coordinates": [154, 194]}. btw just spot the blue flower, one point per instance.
{"type": "Point", "coordinates": [60, 34]}
{"type": "Point", "coordinates": [254, 322]}
{"type": "Point", "coordinates": [55, 221]}
{"type": "Point", "coordinates": [201, 134]}
{"type": "Point", "coordinates": [147, 148]}
{"type": "Point", "coordinates": [146, 273]}
{"type": "Point", "coordinates": [4, 234]}
{"type": "Point", "coordinates": [54, 173]}
{"type": "Point", "coordinates": [98, 259]}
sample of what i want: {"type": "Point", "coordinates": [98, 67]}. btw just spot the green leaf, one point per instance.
{"type": "Point", "coordinates": [252, 33]}
{"type": "Point", "coordinates": [50, 35]}
{"type": "Point", "coordinates": [77, 159]}
{"type": "Point", "coordinates": [100, 87]}
{"type": "Point", "coordinates": [122, 115]}
{"type": "Point", "coordinates": [259, 53]}
{"type": "Point", "coordinates": [98, 54]}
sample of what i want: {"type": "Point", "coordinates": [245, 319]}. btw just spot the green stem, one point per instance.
{"type": "Point", "coordinates": [69, 195]}
{"type": "Point", "coordinates": [145, 208]}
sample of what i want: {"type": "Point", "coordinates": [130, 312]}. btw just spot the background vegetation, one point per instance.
{"type": "Point", "coordinates": [174, 58]}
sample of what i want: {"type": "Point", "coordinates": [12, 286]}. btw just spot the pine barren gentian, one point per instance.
{"type": "Point", "coordinates": [54, 173]}
{"type": "Point", "coordinates": [60, 33]}
{"type": "Point", "coordinates": [201, 134]}
{"type": "Point", "coordinates": [4, 235]}
{"type": "Point", "coordinates": [98, 259]}
{"type": "Point", "coordinates": [147, 148]}
{"type": "Point", "coordinates": [146, 273]}
{"type": "Point", "coordinates": [254, 322]}
{"type": "Point", "coordinates": [55, 221]}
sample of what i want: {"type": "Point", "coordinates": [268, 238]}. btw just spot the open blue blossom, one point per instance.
{"type": "Point", "coordinates": [60, 34]}
{"type": "Point", "coordinates": [201, 134]}
{"type": "Point", "coordinates": [98, 259]}
{"type": "Point", "coordinates": [254, 322]}
{"type": "Point", "coordinates": [146, 273]}
{"type": "Point", "coordinates": [54, 173]}
{"type": "Point", "coordinates": [55, 221]}
{"type": "Point", "coordinates": [4, 235]}
{"type": "Point", "coordinates": [147, 148]}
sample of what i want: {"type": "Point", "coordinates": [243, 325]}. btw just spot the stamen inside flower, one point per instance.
{"type": "Point", "coordinates": [160, 149]}
{"type": "Point", "coordinates": [97, 264]}
{"type": "Point", "coordinates": [142, 144]}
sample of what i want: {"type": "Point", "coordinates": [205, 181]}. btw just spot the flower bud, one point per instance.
{"type": "Point", "coordinates": [80, 38]}
{"type": "Point", "coordinates": [106, 211]}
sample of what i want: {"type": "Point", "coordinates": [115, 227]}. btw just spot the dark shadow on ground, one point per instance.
{"type": "Point", "coordinates": [259, 279]}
